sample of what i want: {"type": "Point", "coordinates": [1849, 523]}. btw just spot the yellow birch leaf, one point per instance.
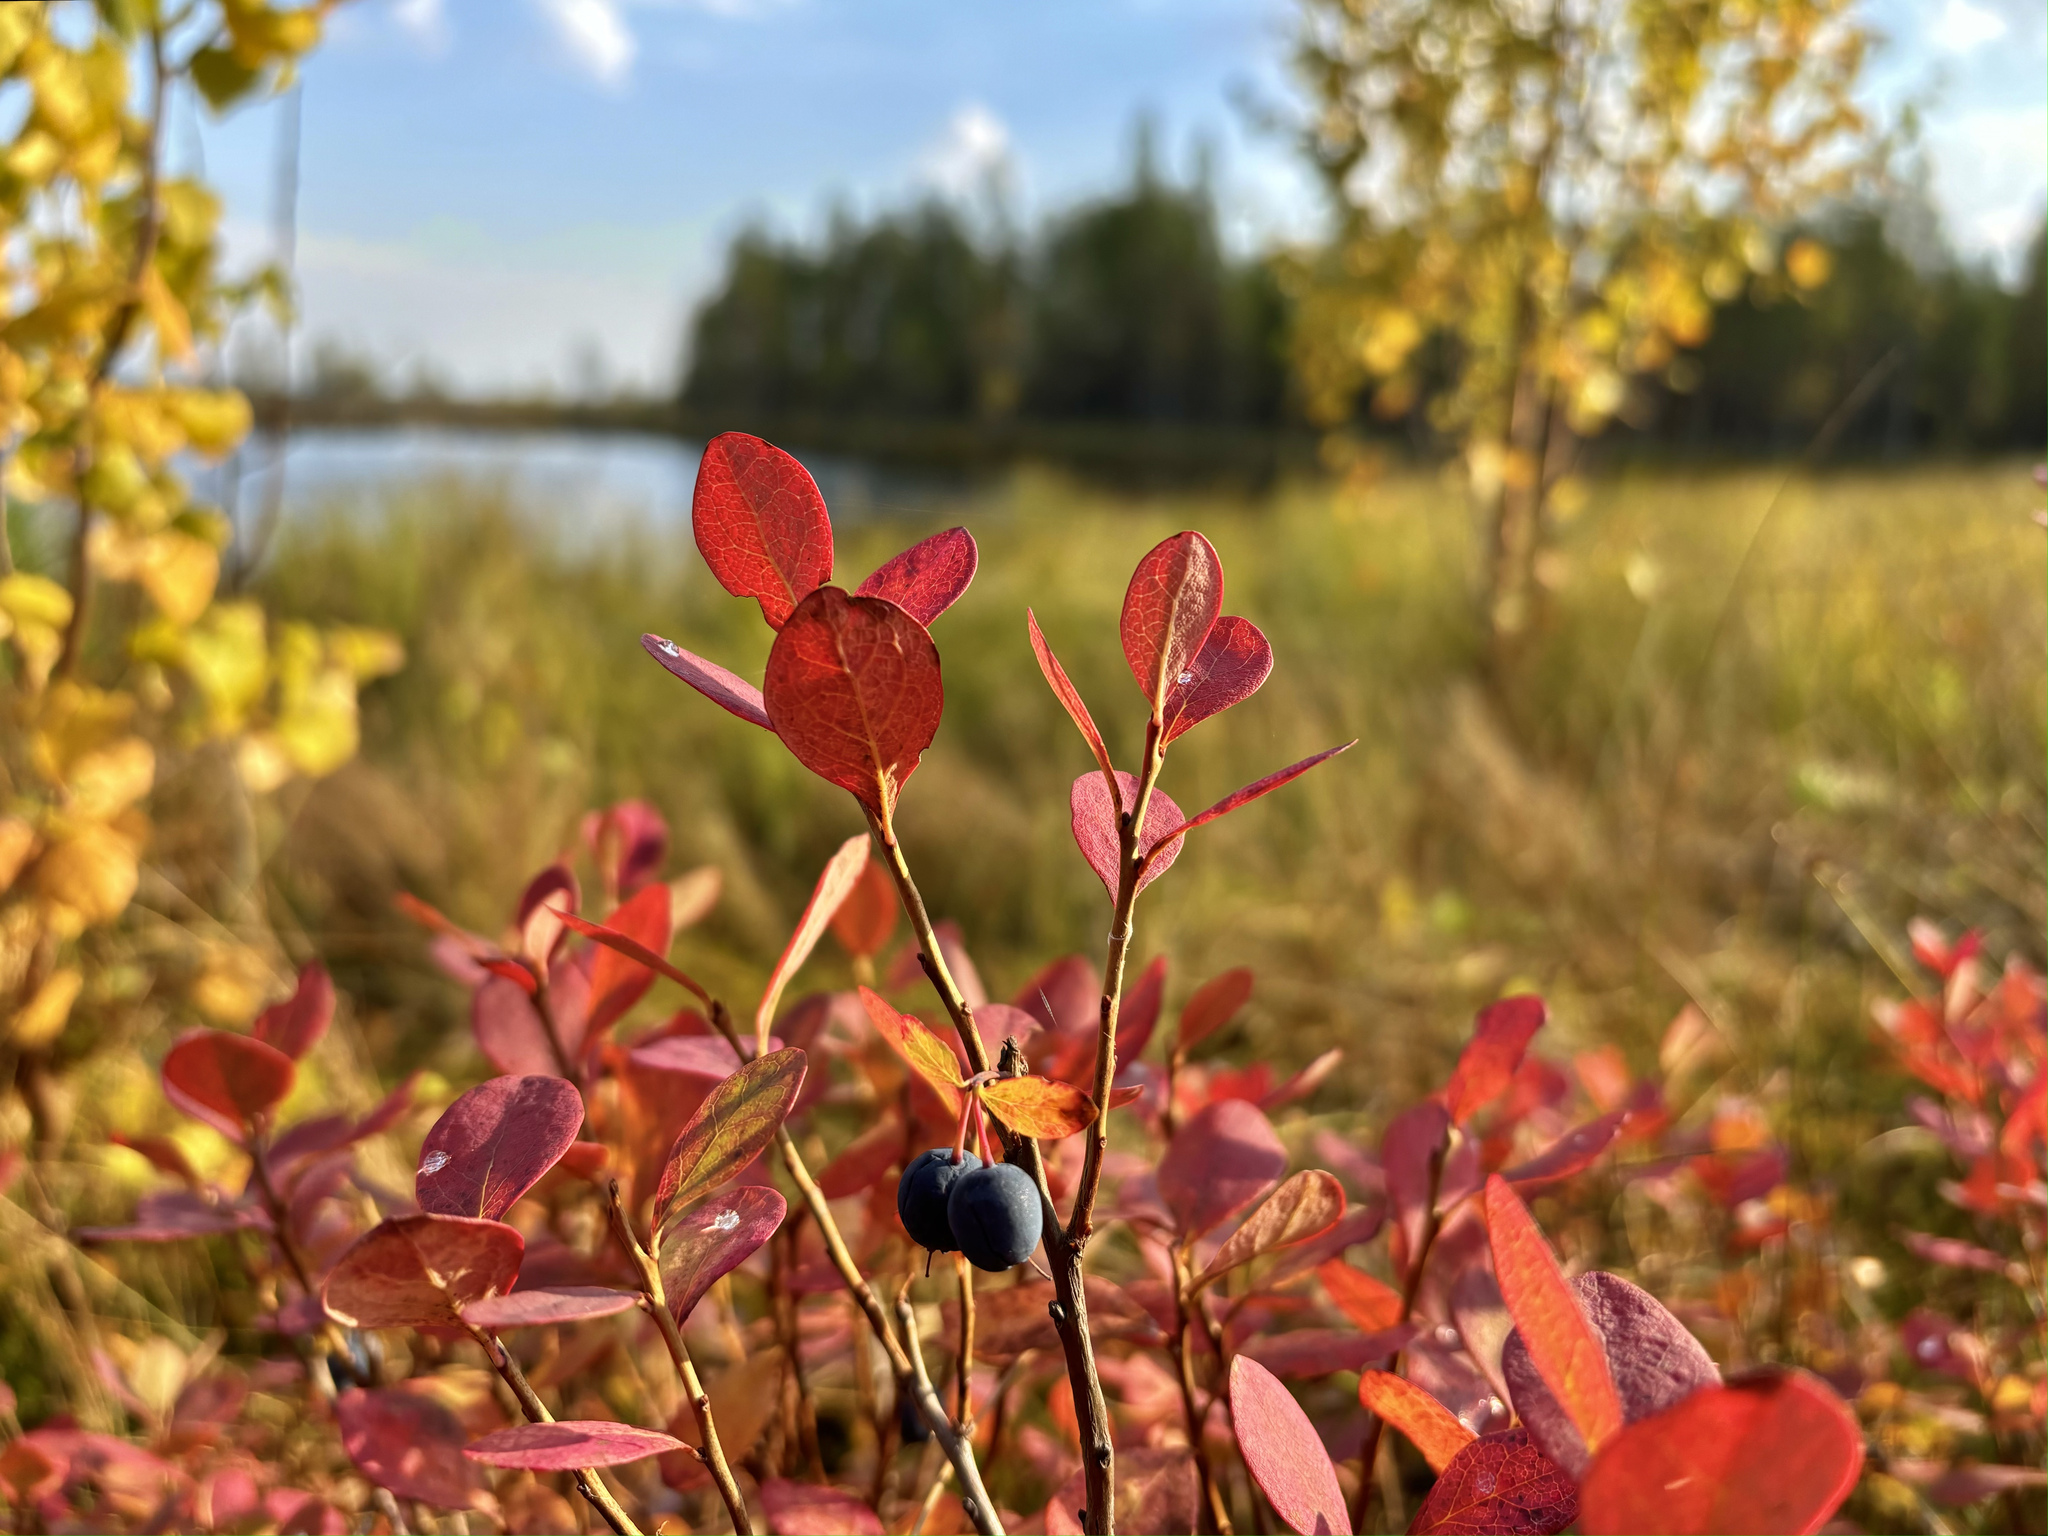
{"type": "Point", "coordinates": [46, 1013]}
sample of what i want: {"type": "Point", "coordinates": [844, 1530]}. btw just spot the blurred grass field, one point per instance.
{"type": "Point", "coordinates": [1757, 712]}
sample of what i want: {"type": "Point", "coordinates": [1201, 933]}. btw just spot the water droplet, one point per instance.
{"type": "Point", "coordinates": [670, 646]}
{"type": "Point", "coordinates": [1186, 678]}
{"type": "Point", "coordinates": [1495, 1407]}
{"type": "Point", "coordinates": [724, 1221]}
{"type": "Point", "coordinates": [1447, 1336]}
{"type": "Point", "coordinates": [1483, 1482]}
{"type": "Point", "coordinates": [1929, 1348]}
{"type": "Point", "coordinates": [433, 1162]}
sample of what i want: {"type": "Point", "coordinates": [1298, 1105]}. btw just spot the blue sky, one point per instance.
{"type": "Point", "coordinates": [500, 185]}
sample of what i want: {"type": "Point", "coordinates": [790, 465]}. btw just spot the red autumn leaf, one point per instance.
{"type": "Point", "coordinates": [547, 896]}
{"type": "Point", "coordinates": [1038, 1107]}
{"type": "Point", "coordinates": [1359, 1224]}
{"type": "Point", "coordinates": [1561, 1342]}
{"type": "Point", "coordinates": [1156, 1490]}
{"type": "Point", "coordinates": [569, 1444]}
{"type": "Point", "coordinates": [512, 1034]}
{"type": "Point", "coordinates": [728, 690]}
{"type": "Point", "coordinates": [1306, 1206]}
{"type": "Point", "coordinates": [408, 1443]}
{"type": "Point", "coordinates": [805, 1509]}
{"type": "Point", "coordinates": [1169, 608]}
{"type": "Point", "coordinates": [853, 690]}
{"type": "Point", "coordinates": [761, 524]}
{"type": "Point", "coordinates": [715, 1238]}
{"type": "Point", "coordinates": [737, 1119]}
{"type": "Point", "coordinates": [1500, 1485]}
{"type": "Point", "coordinates": [927, 1055]}
{"type": "Point", "coordinates": [1284, 1453]}
{"type": "Point", "coordinates": [1095, 828]}
{"type": "Point", "coordinates": [1138, 1014]}
{"type": "Point", "coordinates": [164, 1154]}
{"type": "Point", "coordinates": [493, 1144]}
{"type": "Point", "coordinates": [629, 841]}
{"type": "Point", "coordinates": [514, 971]}
{"type": "Point", "coordinates": [1411, 1140]}
{"type": "Point", "coordinates": [172, 1215]}
{"type": "Point", "coordinates": [617, 980]}
{"type": "Point", "coordinates": [540, 1306]}
{"type": "Point", "coordinates": [1063, 996]}
{"type": "Point", "coordinates": [1654, 1360]}
{"type": "Point", "coordinates": [1369, 1302]}
{"type": "Point", "coordinates": [1262, 787]}
{"type": "Point", "coordinates": [1233, 664]}
{"type": "Point", "coordinates": [1223, 1159]}
{"type": "Point", "coordinates": [927, 578]}
{"type": "Point", "coordinates": [1214, 1005]}
{"type": "Point", "coordinates": [863, 1160]}
{"type": "Point", "coordinates": [867, 917]}
{"type": "Point", "coordinates": [1304, 1082]}
{"type": "Point", "coordinates": [1775, 1452]}
{"type": "Point", "coordinates": [228, 1081]}
{"type": "Point", "coordinates": [1119, 1097]}
{"type": "Point", "coordinates": [1069, 696]}
{"type": "Point", "coordinates": [420, 1271]}
{"type": "Point", "coordinates": [840, 873]}
{"type": "Point", "coordinates": [295, 1025]}
{"type": "Point", "coordinates": [1428, 1424]}
{"type": "Point", "coordinates": [1573, 1152]}
{"type": "Point", "coordinates": [625, 944]}
{"type": "Point", "coordinates": [1487, 1064]}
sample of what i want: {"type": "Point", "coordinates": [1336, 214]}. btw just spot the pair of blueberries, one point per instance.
{"type": "Point", "coordinates": [990, 1214]}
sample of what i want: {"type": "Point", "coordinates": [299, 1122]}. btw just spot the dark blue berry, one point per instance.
{"type": "Point", "coordinates": [995, 1216]}
{"type": "Point", "coordinates": [915, 1430]}
{"type": "Point", "coordinates": [921, 1196]}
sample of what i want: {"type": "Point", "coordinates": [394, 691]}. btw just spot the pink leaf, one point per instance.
{"type": "Point", "coordinates": [715, 1238]}
{"type": "Point", "coordinates": [569, 1444]}
{"type": "Point", "coordinates": [1172, 603]}
{"type": "Point", "coordinates": [927, 578]}
{"type": "Point", "coordinates": [543, 1305]}
{"type": "Point", "coordinates": [625, 944]}
{"type": "Point", "coordinates": [408, 1443]}
{"type": "Point", "coordinates": [728, 690]}
{"type": "Point", "coordinates": [493, 1144]}
{"type": "Point", "coordinates": [1284, 1453]}
{"type": "Point", "coordinates": [1306, 1206]}
{"type": "Point", "coordinates": [228, 1081]}
{"type": "Point", "coordinates": [617, 980]}
{"type": "Point", "coordinates": [761, 524]}
{"type": "Point", "coordinates": [841, 872]}
{"type": "Point", "coordinates": [1220, 1162]}
{"type": "Point", "coordinates": [1233, 664]}
{"type": "Point", "coordinates": [1095, 828]}
{"type": "Point", "coordinates": [1775, 1452]}
{"type": "Point", "coordinates": [1138, 1014]}
{"type": "Point", "coordinates": [547, 896]}
{"type": "Point", "coordinates": [295, 1025]}
{"type": "Point", "coordinates": [1573, 1152]}
{"type": "Point", "coordinates": [1069, 696]}
{"type": "Point", "coordinates": [1214, 1005]}
{"type": "Point", "coordinates": [510, 1031]}
{"type": "Point", "coordinates": [1487, 1065]}
{"type": "Point", "coordinates": [805, 1509]}
{"type": "Point", "coordinates": [629, 841]}
{"type": "Point", "coordinates": [1261, 787]}
{"type": "Point", "coordinates": [420, 1271]}
{"type": "Point", "coordinates": [1501, 1485]}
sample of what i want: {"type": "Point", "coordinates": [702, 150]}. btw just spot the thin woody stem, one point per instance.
{"type": "Point", "coordinates": [587, 1481]}
{"type": "Point", "coordinates": [932, 956]}
{"type": "Point", "coordinates": [964, 1368]}
{"type": "Point", "coordinates": [973, 1496]}
{"type": "Point", "coordinates": [1195, 1414]}
{"type": "Point", "coordinates": [713, 1453]}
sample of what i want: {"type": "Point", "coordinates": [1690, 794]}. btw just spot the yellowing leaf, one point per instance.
{"type": "Point", "coordinates": [35, 599]}
{"type": "Point", "coordinates": [929, 1056]}
{"type": "Point", "coordinates": [1038, 1106]}
{"type": "Point", "coordinates": [45, 1015]}
{"type": "Point", "coordinates": [87, 878]}
{"type": "Point", "coordinates": [111, 779]}
{"type": "Point", "coordinates": [17, 843]}
{"type": "Point", "coordinates": [214, 420]}
{"type": "Point", "coordinates": [317, 728]}
{"type": "Point", "coordinates": [173, 326]}
{"type": "Point", "coordinates": [730, 1129]}
{"type": "Point", "coordinates": [179, 573]}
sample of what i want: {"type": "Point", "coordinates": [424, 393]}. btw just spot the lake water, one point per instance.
{"type": "Point", "coordinates": [594, 478]}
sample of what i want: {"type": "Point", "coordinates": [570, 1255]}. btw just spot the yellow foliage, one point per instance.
{"type": "Point", "coordinates": [1808, 263]}
{"type": "Point", "coordinates": [43, 1017]}
{"type": "Point", "coordinates": [87, 875]}
{"type": "Point", "coordinates": [106, 782]}
{"type": "Point", "coordinates": [17, 843]}
{"type": "Point", "coordinates": [233, 984]}
{"type": "Point", "coordinates": [214, 420]}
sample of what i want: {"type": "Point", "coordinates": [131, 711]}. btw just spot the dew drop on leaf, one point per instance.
{"type": "Point", "coordinates": [1483, 1482]}
{"type": "Point", "coordinates": [1185, 678]}
{"type": "Point", "coordinates": [670, 647]}
{"type": "Point", "coordinates": [433, 1162]}
{"type": "Point", "coordinates": [724, 1221]}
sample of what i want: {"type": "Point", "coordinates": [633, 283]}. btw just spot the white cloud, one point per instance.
{"type": "Point", "coordinates": [425, 20]}
{"type": "Point", "coordinates": [596, 35]}
{"type": "Point", "coordinates": [1964, 28]}
{"type": "Point", "coordinates": [973, 143]}
{"type": "Point", "coordinates": [1991, 169]}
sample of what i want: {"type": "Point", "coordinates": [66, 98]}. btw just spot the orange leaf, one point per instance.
{"type": "Point", "coordinates": [929, 1056]}
{"type": "Point", "coordinates": [1038, 1106]}
{"type": "Point", "coordinates": [1424, 1420]}
{"type": "Point", "coordinates": [633, 949]}
{"type": "Point", "coordinates": [1372, 1304]}
{"type": "Point", "coordinates": [1306, 1206]}
{"type": "Point", "coordinates": [840, 874]}
{"type": "Point", "coordinates": [1565, 1350]}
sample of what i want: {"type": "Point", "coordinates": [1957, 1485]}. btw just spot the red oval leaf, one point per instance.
{"type": "Point", "coordinates": [927, 578]}
{"type": "Point", "coordinates": [543, 1305]}
{"type": "Point", "coordinates": [509, 1030]}
{"type": "Point", "coordinates": [408, 1443]}
{"type": "Point", "coordinates": [853, 690]}
{"type": "Point", "coordinates": [1369, 1302]}
{"type": "Point", "coordinates": [867, 918]}
{"type": "Point", "coordinates": [1284, 1452]}
{"type": "Point", "coordinates": [617, 980]}
{"type": "Point", "coordinates": [728, 690]}
{"type": "Point", "coordinates": [1039, 1107]}
{"type": "Point", "coordinates": [714, 1239]}
{"type": "Point", "coordinates": [1262, 787]}
{"type": "Point", "coordinates": [840, 873]}
{"type": "Point", "coordinates": [928, 1056]}
{"type": "Point", "coordinates": [1573, 1152]}
{"type": "Point", "coordinates": [1069, 696]}
{"type": "Point", "coordinates": [1429, 1425]}
{"type": "Point", "coordinates": [1306, 1206]}
{"type": "Point", "coordinates": [1095, 828]}
{"type": "Point", "coordinates": [1172, 603]}
{"type": "Point", "coordinates": [1500, 1485]}
{"type": "Point", "coordinates": [1220, 1162]}
{"type": "Point", "coordinates": [295, 1025]}
{"type": "Point", "coordinates": [1487, 1064]}
{"type": "Point", "coordinates": [1232, 665]}
{"type": "Point", "coordinates": [761, 524]}
{"type": "Point", "coordinates": [493, 1144]}
{"type": "Point", "coordinates": [805, 1509]}
{"type": "Point", "coordinates": [863, 1160]}
{"type": "Point", "coordinates": [737, 1119]}
{"type": "Point", "coordinates": [420, 1271]}
{"type": "Point", "coordinates": [228, 1081]}
{"type": "Point", "coordinates": [569, 1444]}
{"type": "Point", "coordinates": [1214, 1005]}
{"type": "Point", "coordinates": [1562, 1344]}
{"type": "Point", "coordinates": [1775, 1452]}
